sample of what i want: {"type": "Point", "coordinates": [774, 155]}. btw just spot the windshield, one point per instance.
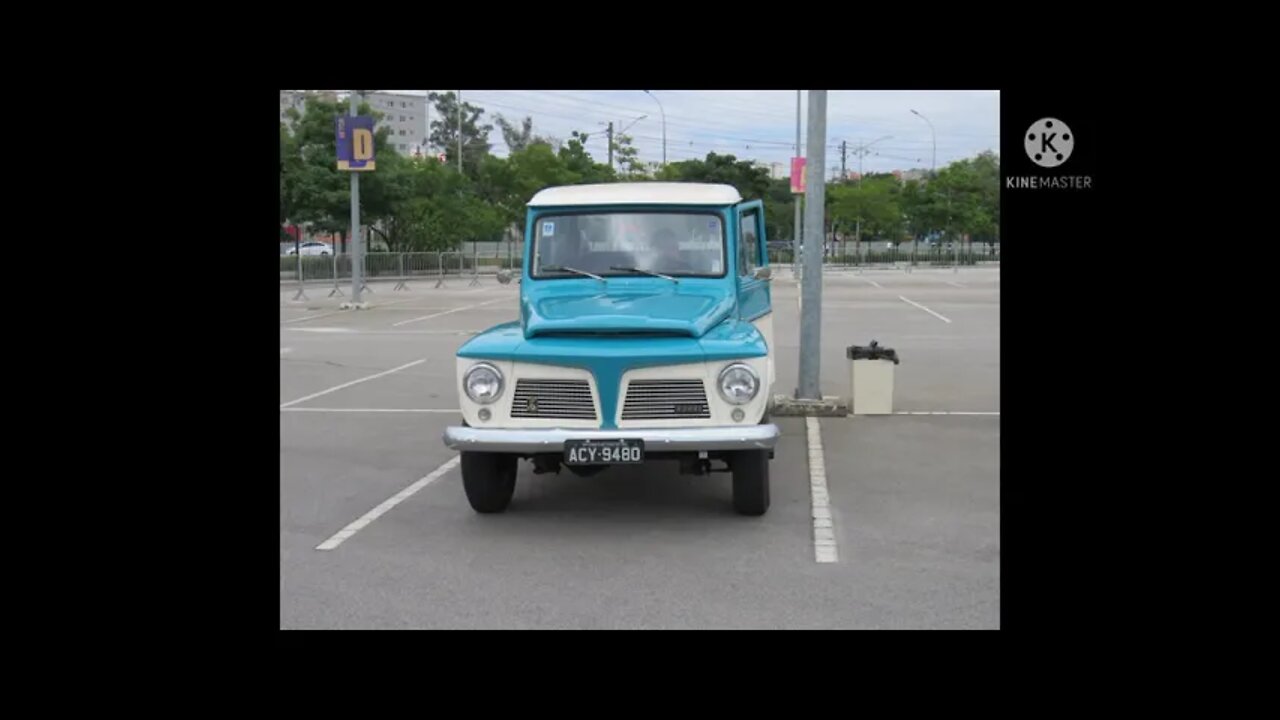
{"type": "Point", "coordinates": [680, 244]}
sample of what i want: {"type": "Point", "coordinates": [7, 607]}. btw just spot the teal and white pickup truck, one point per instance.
{"type": "Point", "coordinates": [645, 333]}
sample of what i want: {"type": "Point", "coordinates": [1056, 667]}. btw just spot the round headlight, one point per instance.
{"type": "Point", "coordinates": [739, 384]}
{"type": "Point", "coordinates": [483, 383]}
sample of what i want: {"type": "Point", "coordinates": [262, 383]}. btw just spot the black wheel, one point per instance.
{"type": "Point", "coordinates": [489, 479]}
{"type": "Point", "coordinates": [750, 481]}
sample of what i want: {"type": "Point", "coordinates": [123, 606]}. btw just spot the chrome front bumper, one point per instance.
{"type": "Point", "coordinates": [551, 440]}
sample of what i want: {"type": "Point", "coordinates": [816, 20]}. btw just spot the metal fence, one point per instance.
{"type": "Point", "coordinates": [488, 260]}
{"type": "Point", "coordinates": [868, 255]}
{"type": "Point", "coordinates": [399, 266]}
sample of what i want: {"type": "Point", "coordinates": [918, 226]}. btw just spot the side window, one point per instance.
{"type": "Point", "coordinates": [748, 243]}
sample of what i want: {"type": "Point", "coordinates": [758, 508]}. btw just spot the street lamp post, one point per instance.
{"type": "Point", "coordinates": [357, 274]}
{"type": "Point", "coordinates": [664, 125]}
{"type": "Point", "coordinates": [933, 170]}
{"type": "Point", "coordinates": [862, 153]}
{"type": "Point", "coordinates": [935, 139]}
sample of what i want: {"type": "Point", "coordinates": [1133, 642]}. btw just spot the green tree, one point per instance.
{"type": "Point", "coordinates": [779, 210]}
{"type": "Point", "coordinates": [962, 198]}
{"type": "Point", "coordinates": [290, 169]}
{"type": "Point", "coordinates": [978, 184]}
{"type": "Point", "coordinates": [506, 185]}
{"type": "Point", "coordinates": [966, 194]}
{"type": "Point", "coordinates": [316, 191]}
{"type": "Point", "coordinates": [499, 186]}
{"type": "Point", "coordinates": [751, 181]}
{"type": "Point", "coordinates": [627, 157]}
{"type": "Point", "coordinates": [516, 138]}
{"type": "Point", "coordinates": [444, 131]}
{"type": "Point", "coordinates": [422, 204]}
{"type": "Point", "coordinates": [577, 160]}
{"type": "Point", "coordinates": [383, 194]}
{"type": "Point", "coordinates": [519, 138]}
{"type": "Point", "coordinates": [438, 210]}
{"type": "Point", "coordinates": [924, 209]}
{"type": "Point", "coordinates": [873, 207]}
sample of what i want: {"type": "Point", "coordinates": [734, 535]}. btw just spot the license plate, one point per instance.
{"type": "Point", "coordinates": [603, 452]}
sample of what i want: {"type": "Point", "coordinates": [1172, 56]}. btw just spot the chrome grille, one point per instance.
{"type": "Point", "coordinates": [665, 399]}
{"type": "Point", "coordinates": [568, 399]}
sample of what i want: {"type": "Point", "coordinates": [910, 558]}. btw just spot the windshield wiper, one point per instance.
{"type": "Point", "coordinates": [644, 272]}
{"type": "Point", "coordinates": [557, 268]}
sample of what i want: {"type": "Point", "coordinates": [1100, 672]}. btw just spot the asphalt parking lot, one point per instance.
{"type": "Point", "coordinates": [914, 498]}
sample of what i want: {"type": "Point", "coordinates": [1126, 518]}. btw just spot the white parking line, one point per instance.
{"type": "Point", "coordinates": [909, 302]}
{"type": "Point", "coordinates": [873, 282]}
{"type": "Point", "coordinates": [446, 312]}
{"type": "Point", "coordinates": [395, 302]}
{"type": "Point", "coordinates": [285, 350]}
{"type": "Point", "coordinates": [371, 410]}
{"type": "Point", "coordinates": [944, 412]}
{"type": "Point", "coordinates": [986, 413]}
{"type": "Point", "coordinates": [312, 317]}
{"type": "Point", "coordinates": [338, 312]}
{"type": "Point", "coordinates": [386, 505]}
{"type": "Point", "coordinates": [312, 396]}
{"type": "Point", "coordinates": [824, 531]}
{"type": "Point", "coordinates": [420, 309]}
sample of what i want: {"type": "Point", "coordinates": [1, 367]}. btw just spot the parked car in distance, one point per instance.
{"type": "Point", "coordinates": [312, 248]}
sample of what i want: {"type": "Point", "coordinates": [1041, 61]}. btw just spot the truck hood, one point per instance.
{"type": "Point", "coordinates": [609, 359]}
{"type": "Point", "coordinates": [671, 310]}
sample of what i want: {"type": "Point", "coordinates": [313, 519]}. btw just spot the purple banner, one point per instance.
{"type": "Point", "coordinates": [355, 142]}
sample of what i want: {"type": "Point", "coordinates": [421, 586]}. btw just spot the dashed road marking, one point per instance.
{"type": "Point", "coordinates": [824, 532]}
{"type": "Point", "coordinates": [355, 527]}
{"type": "Point", "coordinates": [446, 312]}
{"type": "Point", "coordinates": [910, 302]}
{"type": "Point", "coordinates": [312, 396]}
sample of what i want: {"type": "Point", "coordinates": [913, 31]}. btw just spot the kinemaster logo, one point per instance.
{"type": "Point", "coordinates": [1049, 143]}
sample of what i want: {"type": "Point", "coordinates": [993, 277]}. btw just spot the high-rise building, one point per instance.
{"type": "Point", "coordinates": [405, 117]}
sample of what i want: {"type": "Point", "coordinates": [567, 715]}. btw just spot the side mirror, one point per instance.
{"type": "Point", "coordinates": [504, 276]}
{"type": "Point", "coordinates": [763, 273]}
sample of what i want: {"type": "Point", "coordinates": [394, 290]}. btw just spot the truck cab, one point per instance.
{"type": "Point", "coordinates": [645, 333]}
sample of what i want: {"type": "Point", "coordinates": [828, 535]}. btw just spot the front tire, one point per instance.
{"type": "Point", "coordinates": [750, 481]}
{"type": "Point", "coordinates": [489, 479]}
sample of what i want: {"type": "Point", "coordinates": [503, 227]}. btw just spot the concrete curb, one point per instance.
{"type": "Point", "coordinates": [828, 406]}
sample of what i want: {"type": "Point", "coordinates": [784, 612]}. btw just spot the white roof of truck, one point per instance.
{"type": "Point", "coordinates": [638, 193]}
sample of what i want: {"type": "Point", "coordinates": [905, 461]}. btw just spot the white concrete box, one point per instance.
{"type": "Point", "coordinates": [871, 371]}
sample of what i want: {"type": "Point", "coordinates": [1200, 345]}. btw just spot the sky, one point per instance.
{"type": "Point", "coordinates": [759, 125]}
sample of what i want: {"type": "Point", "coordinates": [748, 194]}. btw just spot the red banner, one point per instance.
{"type": "Point", "coordinates": [797, 174]}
